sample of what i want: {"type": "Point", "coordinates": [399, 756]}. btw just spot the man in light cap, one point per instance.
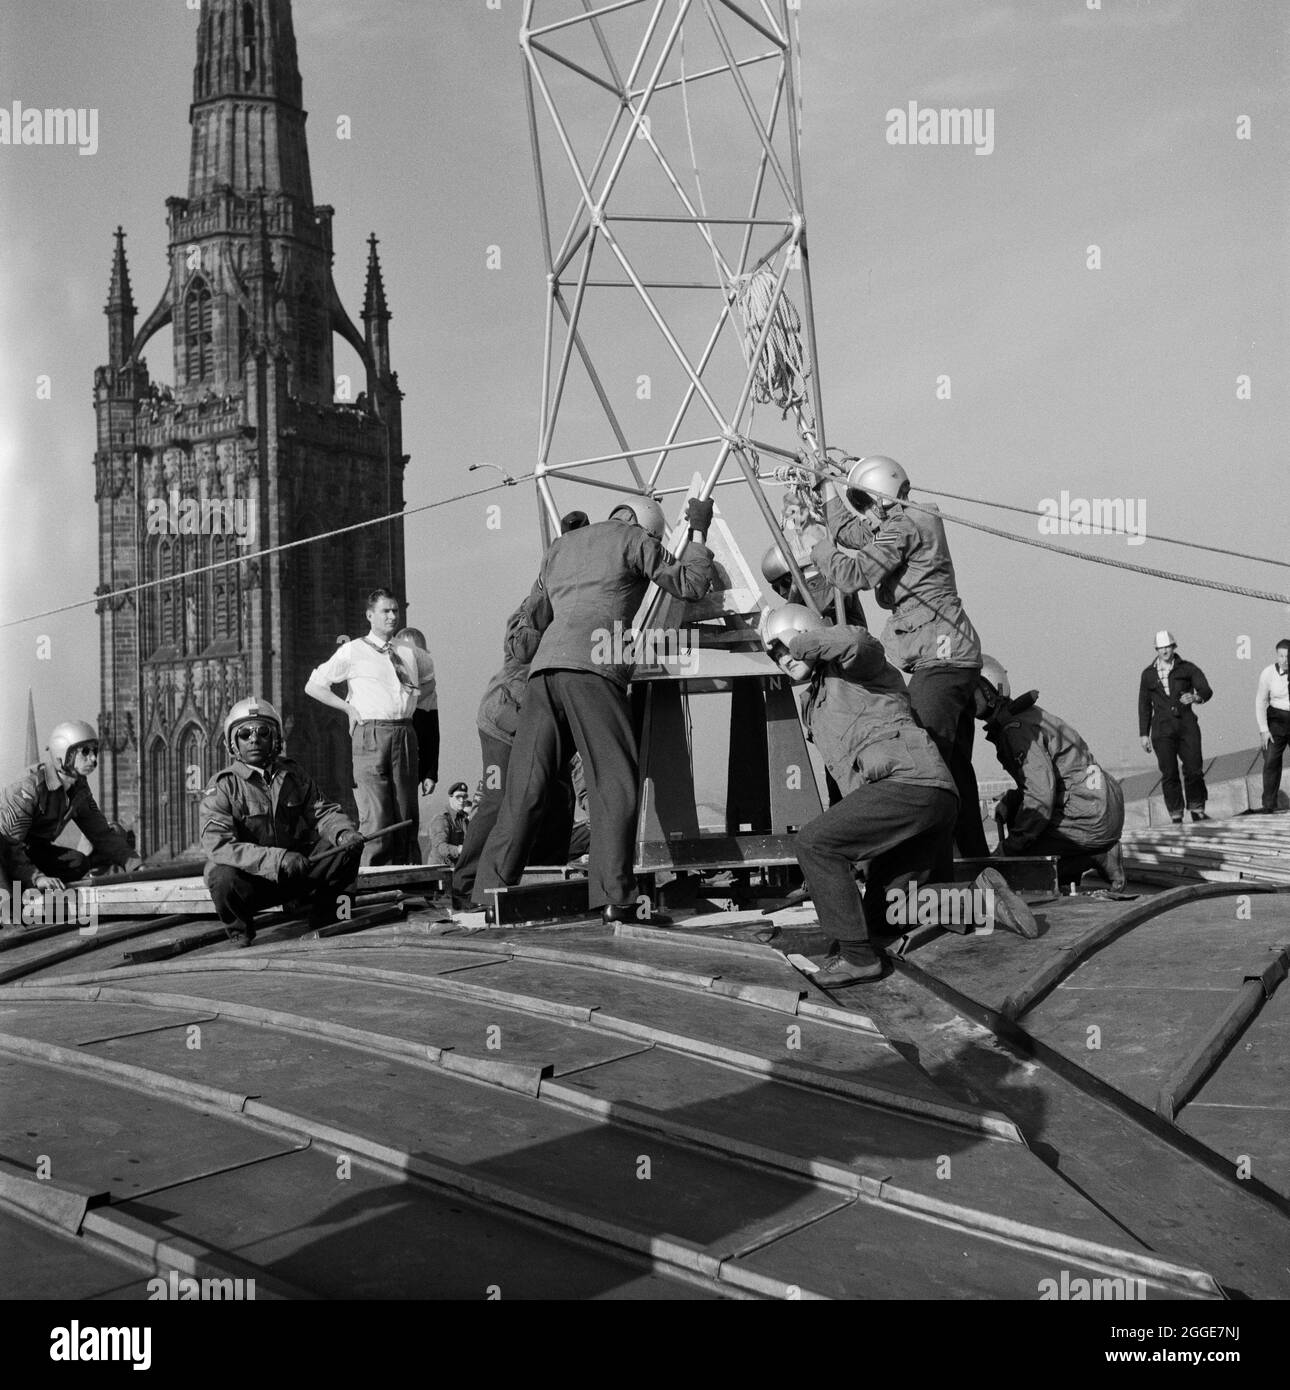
{"type": "Point", "coordinates": [1064, 802]}
{"type": "Point", "coordinates": [266, 827]}
{"type": "Point", "coordinates": [36, 809]}
{"type": "Point", "coordinates": [1169, 690]}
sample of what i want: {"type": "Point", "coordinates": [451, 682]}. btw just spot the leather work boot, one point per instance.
{"type": "Point", "coordinates": [837, 972]}
{"type": "Point", "coordinates": [1199, 815]}
{"type": "Point", "coordinates": [1010, 910]}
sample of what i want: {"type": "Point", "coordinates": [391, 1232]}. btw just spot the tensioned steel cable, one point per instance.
{"type": "Point", "coordinates": [1110, 531]}
{"type": "Point", "coordinates": [1107, 560]}
{"type": "Point", "coordinates": [260, 554]}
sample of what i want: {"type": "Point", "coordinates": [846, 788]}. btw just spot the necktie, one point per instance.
{"type": "Point", "coordinates": [399, 669]}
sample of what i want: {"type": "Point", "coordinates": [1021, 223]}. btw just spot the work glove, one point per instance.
{"type": "Point", "coordinates": [294, 865]}
{"type": "Point", "coordinates": [348, 839]}
{"type": "Point", "coordinates": [805, 541]}
{"type": "Point", "coordinates": [698, 515]}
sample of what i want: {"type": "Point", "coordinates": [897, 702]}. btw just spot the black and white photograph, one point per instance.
{"type": "Point", "coordinates": [645, 653]}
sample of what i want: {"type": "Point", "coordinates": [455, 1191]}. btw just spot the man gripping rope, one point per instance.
{"type": "Point", "coordinates": [876, 541]}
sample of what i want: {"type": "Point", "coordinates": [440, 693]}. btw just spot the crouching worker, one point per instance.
{"type": "Point", "coordinates": [36, 809]}
{"type": "Point", "coordinates": [1064, 802]}
{"type": "Point", "coordinates": [899, 804]}
{"type": "Point", "coordinates": [266, 826]}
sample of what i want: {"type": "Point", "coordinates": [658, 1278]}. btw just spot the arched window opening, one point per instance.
{"type": "Point", "coordinates": [158, 827]}
{"type": "Point", "coordinates": [225, 591]}
{"type": "Point", "coordinates": [167, 595]}
{"type": "Point", "coordinates": [197, 331]}
{"type": "Point", "coordinates": [192, 775]}
{"type": "Point", "coordinates": [248, 40]}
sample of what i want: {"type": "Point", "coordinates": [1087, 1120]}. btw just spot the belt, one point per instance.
{"type": "Point", "coordinates": [389, 723]}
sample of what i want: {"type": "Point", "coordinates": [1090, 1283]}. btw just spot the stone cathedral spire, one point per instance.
{"type": "Point", "coordinates": [254, 442]}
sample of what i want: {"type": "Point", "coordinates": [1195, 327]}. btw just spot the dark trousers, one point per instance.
{"type": "Point", "coordinates": [57, 861]}
{"type": "Point", "coordinates": [385, 788]}
{"type": "Point", "coordinates": [941, 697]}
{"type": "Point", "coordinates": [564, 711]}
{"type": "Point", "coordinates": [552, 845]}
{"type": "Point", "coordinates": [902, 830]}
{"type": "Point", "coordinates": [1074, 857]}
{"type": "Point", "coordinates": [1176, 741]}
{"type": "Point", "coordinates": [1279, 728]}
{"type": "Point", "coordinates": [238, 896]}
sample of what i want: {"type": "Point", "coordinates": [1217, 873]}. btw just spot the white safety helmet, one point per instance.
{"type": "Point", "coordinates": [780, 624]}
{"type": "Point", "coordinates": [874, 480]}
{"type": "Point", "coordinates": [66, 738]}
{"type": "Point", "coordinates": [252, 708]}
{"type": "Point", "coordinates": [1165, 638]}
{"type": "Point", "coordinates": [996, 677]}
{"type": "Point", "coordinates": [646, 512]}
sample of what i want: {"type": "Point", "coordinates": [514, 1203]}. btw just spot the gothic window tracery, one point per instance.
{"type": "Point", "coordinates": [197, 331]}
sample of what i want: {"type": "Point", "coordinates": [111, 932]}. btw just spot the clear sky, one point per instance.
{"type": "Point", "coordinates": [1116, 128]}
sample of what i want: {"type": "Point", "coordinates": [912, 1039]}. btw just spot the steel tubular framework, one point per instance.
{"type": "Point", "coordinates": [624, 64]}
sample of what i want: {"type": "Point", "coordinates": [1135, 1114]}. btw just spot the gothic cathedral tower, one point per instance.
{"type": "Point", "coordinates": [250, 449]}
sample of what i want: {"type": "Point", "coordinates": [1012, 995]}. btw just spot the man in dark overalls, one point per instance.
{"type": "Point", "coordinates": [1167, 693]}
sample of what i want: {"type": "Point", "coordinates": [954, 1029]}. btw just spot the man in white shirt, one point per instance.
{"type": "Point", "coordinates": [1272, 713]}
{"type": "Point", "coordinates": [387, 681]}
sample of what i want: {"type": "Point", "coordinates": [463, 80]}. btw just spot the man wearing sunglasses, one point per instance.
{"type": "Point", "coordinates": [36, 809]}
{"type": "Point", "coordinates": [266, 830]}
